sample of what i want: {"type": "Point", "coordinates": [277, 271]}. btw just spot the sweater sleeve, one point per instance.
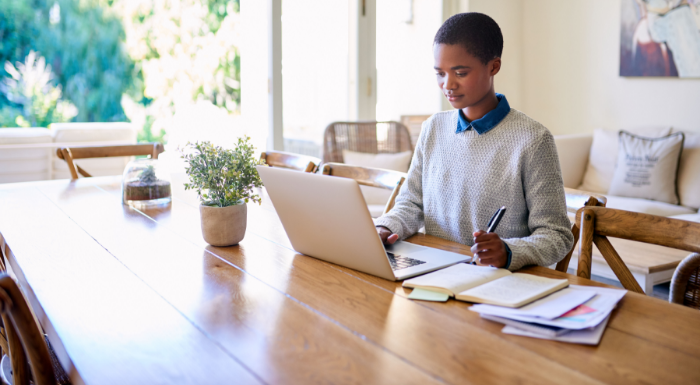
{"type": "Point", "coordinates": [406, 217]}
{"type": "Point", "coordinates": [550, 229]}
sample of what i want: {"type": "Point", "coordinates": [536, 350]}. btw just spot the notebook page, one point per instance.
{"type": "Point", "coordinates": [457, 278]}
{"type": "Point", "coordinates": [513, 290]}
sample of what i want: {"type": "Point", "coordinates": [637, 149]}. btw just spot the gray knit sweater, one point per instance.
{"type": "Point", "coordinates": [457, 181]}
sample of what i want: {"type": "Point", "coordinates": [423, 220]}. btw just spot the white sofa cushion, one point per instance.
{"type": "Point", "coordinates": [573, 151]}
{"type": "Point", "coordinates": [378, 197]}
{"type": "Point", "coordinates": [647, 167]}
{"type": "Point", "coordinates": [397, 162]}
{"type": "Point", "coordinates": [688, 217]}
{"type": "Point", "coordinates": [603, 156]}
{"type": "Point", "coordinates": [114, 133]}
{"type": "Point", "coordinates": [93, 132]}
{"type": "Point", "coordinates": [647, 206]}
{"type": "Point", "coordinates": [24, 164]}
{"type": "Point", "coordinates": [689, 171]}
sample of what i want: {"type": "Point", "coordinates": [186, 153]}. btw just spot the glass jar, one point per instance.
{"type": "Point", "coordinates": [145, 183]}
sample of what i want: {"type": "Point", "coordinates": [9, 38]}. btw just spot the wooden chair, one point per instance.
{"type": "Point", "coordinates": [9, 338]}
{"type": "Point", "coordinates": [26, 342]}
{"type": "Point", "coordinates": [598, 223]}
{"type": "Point", "coordinates": [414, 123]}
{"type": "Point", "coordinates": [685, 284]}
{"type": "Point", "coordinates": [288, 160]}
{"type": "Point", "coordinates": [3, 334]}
{"type": "Point", "coordinates": [576, 199]}
{"type": "Point", "coordinates": [374, 177]}
{"type": "Point", "coordinates": [370, 137]}
{"type": "Point", "coordinates": [73, 153]}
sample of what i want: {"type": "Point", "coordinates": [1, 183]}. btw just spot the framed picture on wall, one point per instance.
{"type": "Point", "coordinates": [660, 38]}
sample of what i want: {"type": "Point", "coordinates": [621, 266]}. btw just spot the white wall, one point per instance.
{"type": "Point", "coordinates": [508, 15]}
{"type": "Point", "coordinates": [405, 77]}
{"type": "Point", "coordinates": [314, 66]}
{"type": "Point", "coordinates": [570, 69]}
{"type": "Point", "coordinates": [254, 71]}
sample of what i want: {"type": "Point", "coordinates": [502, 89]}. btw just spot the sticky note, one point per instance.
{"type": "Point", "coordinates": [428, 295]}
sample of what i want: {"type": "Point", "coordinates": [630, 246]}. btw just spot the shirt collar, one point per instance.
{"type": "Point", "coordinates": [488, 121]}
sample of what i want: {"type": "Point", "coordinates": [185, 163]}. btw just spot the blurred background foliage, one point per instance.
{"type": "Point", "coordinates": [117, 60]}
{"type": "Point", "coordinates": [83, 45]}
{"type": "Point", "coordinates": [35, 101]}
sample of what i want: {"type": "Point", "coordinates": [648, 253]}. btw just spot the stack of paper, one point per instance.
{"type": "Point", "coordinates": [577, 314]}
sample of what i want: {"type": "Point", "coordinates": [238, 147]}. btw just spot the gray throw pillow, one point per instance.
{"type": "Point", "coordinates": [647, 167]}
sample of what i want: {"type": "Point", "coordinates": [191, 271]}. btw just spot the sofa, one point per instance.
{"type": "Point", "coordinates": [574, 157]}
{"type": "Point", "coordinates": [29, 154]}
{"type": "Point", "coordinates": [579, 157]}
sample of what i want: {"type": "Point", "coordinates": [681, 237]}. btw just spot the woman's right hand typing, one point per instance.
{"type": "Point", "coordinates": [388, 238]}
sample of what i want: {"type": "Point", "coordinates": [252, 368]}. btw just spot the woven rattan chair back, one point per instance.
{"type": "Point", "coordinates": [369, 137]}
{"type": "Point", "coordinates": [289, 160]}
{"type": "Point", "coordinates": [73, 153]}
{"type": "Point", "coordinates": [685, 284]}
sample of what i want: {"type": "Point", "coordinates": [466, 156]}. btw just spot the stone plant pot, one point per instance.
{"type": "Point", "coordinates": [224, 226]}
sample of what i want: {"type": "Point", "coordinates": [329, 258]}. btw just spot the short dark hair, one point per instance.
{"type": "Point", "coordinates": [477, 33]}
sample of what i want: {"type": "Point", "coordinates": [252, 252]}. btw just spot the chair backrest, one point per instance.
{"type": "Point", "coordinates": [414, 123]}
{"type": "Point", "coordinates": [72, 153]}
{"type": "Point", "coordinates": [292, 161]}
{"type": "Point", "coordinates": [370, 137]}
{"type": "Point", "coordinates": [685, 284]}
{"type": "Point", "coordinates": [373, 177]}
{"type": "Point", "coordinates": [598, 223]}
{"type": "Point", "coordinates": [26, 342]}
{"type": "Point", "coordinates": [574, 201]}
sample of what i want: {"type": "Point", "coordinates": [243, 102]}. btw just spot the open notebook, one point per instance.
{"type": "Point", "coordinates": [487, 285]}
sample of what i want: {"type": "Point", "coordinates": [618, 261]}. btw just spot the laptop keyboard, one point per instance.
{"type": "Point", "coordinates": [399, 262]}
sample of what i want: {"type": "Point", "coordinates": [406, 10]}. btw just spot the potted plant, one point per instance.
{"type": "Point", "coordinates": [224, 180]}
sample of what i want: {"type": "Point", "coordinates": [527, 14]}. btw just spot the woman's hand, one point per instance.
{"type": "Point", "coordinates": [388, 238]}
{"type": "Point", "coordinates": [489, 250]}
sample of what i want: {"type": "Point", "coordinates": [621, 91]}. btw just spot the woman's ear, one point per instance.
{"type": "Point", "coordinates": [495, 66]}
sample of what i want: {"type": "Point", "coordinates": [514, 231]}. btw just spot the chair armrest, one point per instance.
{"type": "Point", "coordinates": [573, 153]}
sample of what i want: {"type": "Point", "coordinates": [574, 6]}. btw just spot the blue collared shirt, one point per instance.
{"type": "Point", "coordinates": [482, 126]}
{"type": "Point", "coordinates": [488, 121]}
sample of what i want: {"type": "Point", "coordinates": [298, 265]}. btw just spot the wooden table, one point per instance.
{"type": "Point", "coordinates": [130, 297]}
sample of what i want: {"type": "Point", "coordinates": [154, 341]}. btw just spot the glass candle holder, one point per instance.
{"type": "Point", "coordinates": [145, 184]}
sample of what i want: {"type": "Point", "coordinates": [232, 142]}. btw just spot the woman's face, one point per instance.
{"type": "Point", "coordinates": [463, 78]}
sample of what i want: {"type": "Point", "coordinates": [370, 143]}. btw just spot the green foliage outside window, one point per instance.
{"type": "Point", "coordinates": [117, 60]}
{"type": "Point", "coordinates": [37, 100]}
{"type": "Point", "coordinates": [186, 53]}
{"type": "Point", "coordinates": [82, 42]}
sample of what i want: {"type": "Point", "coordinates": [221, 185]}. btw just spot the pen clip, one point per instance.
{"type": "Point", "coordinates": [493, 217]}
{"type": "Point", "coordinates": [496, 220]}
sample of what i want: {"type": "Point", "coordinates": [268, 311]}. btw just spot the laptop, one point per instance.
{"type": "Point", "coordinates": [327, 218]}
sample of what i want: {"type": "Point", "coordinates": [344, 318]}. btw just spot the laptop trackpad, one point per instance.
{"type": "Point", "coordinates": [405, 248]}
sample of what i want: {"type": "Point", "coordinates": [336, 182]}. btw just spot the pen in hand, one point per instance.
{"type": "Point", "coordinates": [492, 225]}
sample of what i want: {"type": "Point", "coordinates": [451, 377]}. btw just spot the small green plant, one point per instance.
{"type": "Point", "coordinates": [222, 177]}
{"type": "Point", "coordinates": [148, 176]}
